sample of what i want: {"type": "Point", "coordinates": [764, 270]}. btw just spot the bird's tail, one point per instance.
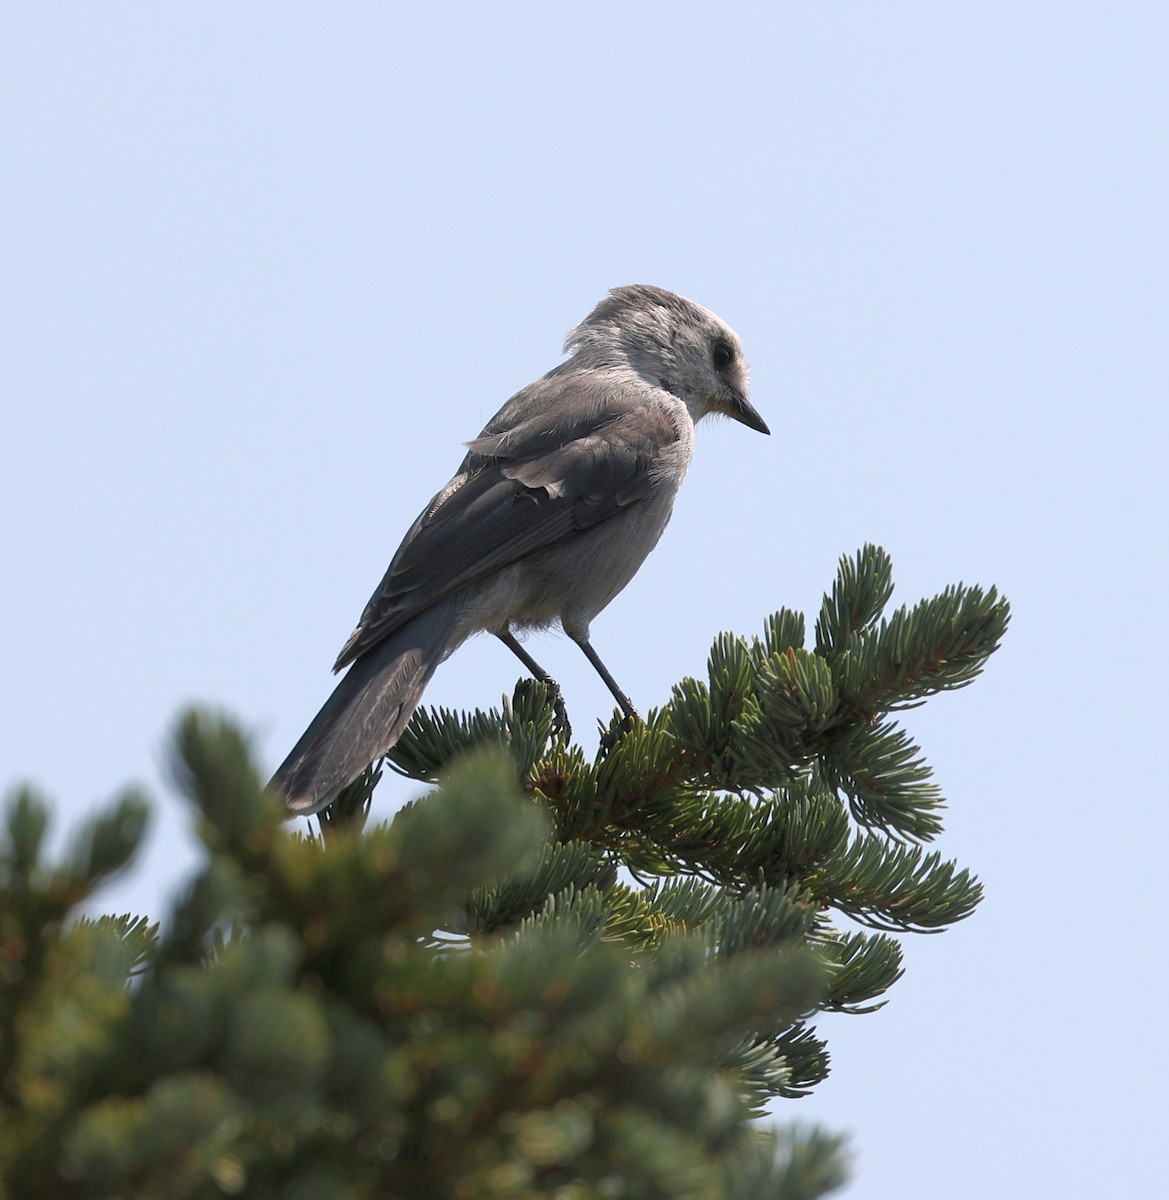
{"type": "Point", "coordinates": [366, 713]}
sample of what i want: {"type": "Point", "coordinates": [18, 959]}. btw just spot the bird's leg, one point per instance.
{"type": "Point", "coordinates": [560, 725]}
{"type": "Point", "coordinates": [610, 739]}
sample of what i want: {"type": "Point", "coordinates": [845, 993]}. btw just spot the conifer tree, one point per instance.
{"type": "Point", "coordinates": [551, 976]}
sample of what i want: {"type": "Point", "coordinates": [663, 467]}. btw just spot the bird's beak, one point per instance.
{"type": "Point", "coordinates": [742, 410]}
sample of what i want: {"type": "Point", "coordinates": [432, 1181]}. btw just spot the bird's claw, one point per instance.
{"type": "Point", "coordinates": [560, 724]}
{"type": "Point", "coordinates": [617, 730]}
{"type": "Point", "coordinates": [561, 728]}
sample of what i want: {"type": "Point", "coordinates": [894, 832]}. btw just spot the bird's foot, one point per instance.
{"type": "Point", "coordinates": [617, 730]}
{"type": "Point", "coordinates": [561, 729]}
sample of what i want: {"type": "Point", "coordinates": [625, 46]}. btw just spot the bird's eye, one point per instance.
{"type": "Point", "coordinates": [723, 354]}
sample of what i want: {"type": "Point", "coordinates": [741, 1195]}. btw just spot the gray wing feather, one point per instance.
{"type": "Point", "coordinates": [563, 405]}
{"type": "Point", "coordinates": [531, 487]}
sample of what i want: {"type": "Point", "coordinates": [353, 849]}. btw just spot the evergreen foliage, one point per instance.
{"type": "Point", "coordinates": [549, 977]}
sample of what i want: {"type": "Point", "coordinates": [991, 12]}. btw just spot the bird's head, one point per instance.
{"type": "Point", "coordinates": [672, 343]}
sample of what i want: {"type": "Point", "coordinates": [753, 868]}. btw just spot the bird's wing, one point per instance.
{"type": "Point", "coordinates": [519, 493]}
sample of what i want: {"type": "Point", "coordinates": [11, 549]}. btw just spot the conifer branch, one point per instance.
{"type": "Point", "coordinates": [550, 972]}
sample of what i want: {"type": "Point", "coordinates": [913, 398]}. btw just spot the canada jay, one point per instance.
{"type": "Point", "coordinates": [548, 517]}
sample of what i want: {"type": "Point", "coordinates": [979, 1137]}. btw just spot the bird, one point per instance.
{"type": "Point", "coordinates": [551, 513]}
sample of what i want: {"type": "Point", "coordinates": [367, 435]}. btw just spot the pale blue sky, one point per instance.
{"type": "Point", "coordinates": [264, 267]}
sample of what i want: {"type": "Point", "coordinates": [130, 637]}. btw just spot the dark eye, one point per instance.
{"type": "Point", "coordinates": [723, 354]}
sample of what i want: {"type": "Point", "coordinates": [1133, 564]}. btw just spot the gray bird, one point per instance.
{"type": "Point", "coordinates": [549, 516]}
